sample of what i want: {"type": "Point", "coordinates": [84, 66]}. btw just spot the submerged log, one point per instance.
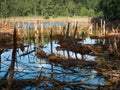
{"type": "Point", "coordinates": [72, 45]}
{"type": "Point", "coordinates": [20, 84]}
{"type": "Point", "coordinates": [56, 57]}
{"type": "Point", "coordinates": [41, 54]}
{"type": "Point", "coordinates": [113, 36]}
{"type": "Point", "coordinates": [97, 36]}
{"type": "Point", "coordinates": [67, 63]}
{"type": "Point", "coordinates": [24, 54]}
{"type": "Point", "coordinates": [6, 37]}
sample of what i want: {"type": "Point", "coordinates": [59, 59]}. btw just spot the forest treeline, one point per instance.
{"type": "Point", "coordinates": [46, 8]}
{"type": "Point", "coordinates": [54, 8]}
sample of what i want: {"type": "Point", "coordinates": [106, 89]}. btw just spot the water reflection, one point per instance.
{"type": "Point", "coordinates": [28, 66]}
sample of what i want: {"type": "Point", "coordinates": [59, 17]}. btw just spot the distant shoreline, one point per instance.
{"type": "Point", "coordinates": [41, 19]}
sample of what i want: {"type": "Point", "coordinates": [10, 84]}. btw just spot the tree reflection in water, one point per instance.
{"type": "Point", "coordinates": [27, 71]}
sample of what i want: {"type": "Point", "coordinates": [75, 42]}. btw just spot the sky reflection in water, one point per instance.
{"type": "Point", "coordinates": [29, 66]}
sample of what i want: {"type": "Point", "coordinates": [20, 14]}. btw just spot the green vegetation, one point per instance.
{"type": "Point", "coordinates": [47, 8]}
{"type": "Point", "coordinates": [53, 8]}
{"type": "Point", "coordinates": [110, 8]}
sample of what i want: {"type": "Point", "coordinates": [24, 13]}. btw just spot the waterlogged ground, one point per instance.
{"type": "Point", "coordinates": [46, 62]}
{"type": "Point", "coordinates": [28, 66]}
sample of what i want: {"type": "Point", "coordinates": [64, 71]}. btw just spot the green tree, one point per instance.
{"type": "Point", "coordinates": [28, 8]}
{"type": "Point", "coordinates": [4, 9]}
{"type": "Point", "coordinates": [20, 8]}
{"type": "Point", "coordinates": [10, 8]}
{"type": "Point", "coordinates": [91, 13]}
{"type": "Point", "coordinates": [64, 11]}
{"type": "Point", "coordinates": [110, 8]}
{"type": "Point", "coordinates": [77, 8]}
{"type": "Point", "coordinates": [84, 11]}
{"type": "Point", "coordinates": [35, 4]}
{"type": "Point", "coordinates": [70, 6]}
{"type": "Point", "coordinates": [44, 7]}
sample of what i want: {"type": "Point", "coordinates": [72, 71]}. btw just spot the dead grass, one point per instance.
{"type": "Point", "coordinates": [82, 20]}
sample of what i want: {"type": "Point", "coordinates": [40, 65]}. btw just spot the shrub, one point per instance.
{"type": "Point", "coordinates": [46, 16]}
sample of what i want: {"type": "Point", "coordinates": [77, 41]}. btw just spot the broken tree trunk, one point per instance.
{"type": "Point", "coordinates": [83, 37]}
{"type": "Point", "coordinates": [51, 44]}
{"type": "Point", "coordinates": [11, 69]}
{"type": "Point", "coordinates": [67, 32]}
{"type": "Point", "coordinates": [115, 46]}
{"type": "Point", "coordinates": [75, 30]}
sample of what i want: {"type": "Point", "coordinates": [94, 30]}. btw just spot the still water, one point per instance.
{"type": "Point", "coordinates": [28, 66]}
